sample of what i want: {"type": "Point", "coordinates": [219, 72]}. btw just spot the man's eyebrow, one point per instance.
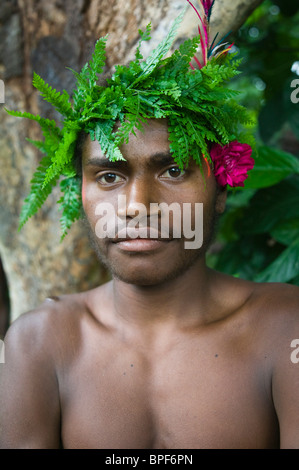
{"type": "Point", "coordinates": [104, 162]}
{"type": "Point", "coordinates": [161, 158]}
{"type": "Point", "coordinates": [156, 159]}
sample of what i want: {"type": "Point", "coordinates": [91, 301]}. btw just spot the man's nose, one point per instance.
{"type": "Point", "coordinates": [139, 194]}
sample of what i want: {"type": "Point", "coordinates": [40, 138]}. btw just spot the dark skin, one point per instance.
{"type": "Point", "coordinates": [170, 354]}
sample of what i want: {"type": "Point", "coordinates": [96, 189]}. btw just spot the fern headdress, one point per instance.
{"type": "Point", "coordinates": [203, 117]}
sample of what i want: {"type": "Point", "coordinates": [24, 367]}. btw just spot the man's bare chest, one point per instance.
{"type": "Point", "coordinates": [186, 398]}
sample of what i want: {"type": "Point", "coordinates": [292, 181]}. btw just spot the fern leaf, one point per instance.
{"type": "Point", "coordinates": [144, 36]}
{"type": "Point", "coordinates": [179, 143]}
{"type": "Point", "coordinates": [179, 62]}
{"type": "Point", "coordinates": [46, 124]}
{"type": "Point", "coordinates": [97, 62]}
{"type": "Point", "coordinates": [62, 156]}
{"type": "Point", "coordinates": [87, 78]}
{"type": "Point", "coordinates": [71, 203]}
{"type": "Point", "coordinates": [197, 136]}
{"type": "Point", "coordinates": [103, 135]}
{"type": "Point", "coordinates": [59, 101]}
{"type": "Point", "coordinates": [133, 120]}
{"type": "Point", "coordinates": [38, 193]}
{"type": "Point", "coordinates": [158, 53]}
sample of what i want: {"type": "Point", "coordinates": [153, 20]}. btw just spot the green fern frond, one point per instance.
{"type": "Point", "coordinates": [198, 137]}
{"type": "Point", "coordinates": [38, 192]}
{"type": "Point", "coordinates": [179, 62]}
{"type": "Point", "coordinates": [61, 157]}
{"type": "Point", "coordinates": [61, 101]}
{"type": "Point", "coordinates": [179, 143]}
{"type": "Point", "coordinates": [46, 124]}
{"type": "Point", "coordinates": [144, 36]}
{"type": "Point", "coordinates": [39, 144]}
{"type": "Point", "coordinates": [87, 78]}
{"type": "Point", "coordinates": [133, 120]}
{"type": "Point", "coordinates": [103, 134]}
{"type": "Point", "coordinates": [97, 62]}
{"type": "Point", "coordinates": [70, 202]}
{"type": "Point", "coordinates": [158, 53]}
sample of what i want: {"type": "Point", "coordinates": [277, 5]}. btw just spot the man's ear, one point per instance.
{"type": "Point", "coordinates": [221, 199]}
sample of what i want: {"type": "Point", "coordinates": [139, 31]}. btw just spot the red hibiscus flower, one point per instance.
{"type": "Point", "coordinates": [231, 163]}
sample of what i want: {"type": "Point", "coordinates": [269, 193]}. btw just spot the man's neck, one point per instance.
{"type": "Point", "coordinates": [183, 301]}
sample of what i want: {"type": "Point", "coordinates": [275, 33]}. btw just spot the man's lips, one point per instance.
{"type": "Point", "coordinates": [139, 242]}
{"type": "Point", "coordinates": [146, 233]}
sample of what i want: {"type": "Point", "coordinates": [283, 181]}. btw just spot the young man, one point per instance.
{"type": "Point", "coordinates": [168, 355]}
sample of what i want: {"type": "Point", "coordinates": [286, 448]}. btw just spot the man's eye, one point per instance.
{"type": "Point", "coordinates": [173, 172]}
{"type": "Point", "coordinates": [109, 178]}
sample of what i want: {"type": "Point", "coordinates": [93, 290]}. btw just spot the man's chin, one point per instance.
{"type": "Point", "coordinates": [153, 269]}
{"type": "Point", "coordinates": [140, 280]}
{"type": "Point", "coordinates": [147, 271]}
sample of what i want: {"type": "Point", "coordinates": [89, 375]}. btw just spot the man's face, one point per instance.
{"type": "Point", "coordinates": [148, 177]}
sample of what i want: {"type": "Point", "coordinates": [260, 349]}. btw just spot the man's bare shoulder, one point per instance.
{"type": "Point", "coordinates": [270, 309]}
{"type": "Point", "coordinates": [277, 299]}
{"type": "Point", "coordinates": [49, 326]}
{"type": "Point", "coordinates": [270, 297]}
{"type": "Point", "coordinates": [274, 309]}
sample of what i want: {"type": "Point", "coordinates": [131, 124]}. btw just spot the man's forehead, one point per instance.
{"type": "Point", "coordinates": [152, 144]}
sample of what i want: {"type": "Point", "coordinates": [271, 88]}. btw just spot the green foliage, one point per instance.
{"type": "Point", "coordinates": [59, 101]}
{"type": "Point", "coordinates": [62, 156]}
{"type": "Point", "coordinates": [157, 55]}
{"type": "Point", "coordinates": [70, 202]}
{"type": "Point", "coordinates": [259, 232]}
{"type": "Point", "coordinates": [39, 191]}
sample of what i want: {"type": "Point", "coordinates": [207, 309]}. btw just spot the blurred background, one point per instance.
{"type": "Point", "coordinates": [258, 236]}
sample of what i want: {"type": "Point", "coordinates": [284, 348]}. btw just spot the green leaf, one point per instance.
{"type": "Point", "coordinates": [97, 61]}
{"type": "Point", "coordinates": [179, 143]}
{"type": "Point", "coordinates": [239, 198]}
{"type": "Point", "coordinates": [103, 136]}
{"type": "Point", "coordinates": [269, 206]}
{"type": "Point", "coordinates": [71, 203]}
{"type": "Point", "coordinates": [271, 166]}
{"type": "Point", "coordinates": [59, 101]}
{"type": "Point", "coordinates": [62, 156]}
{"type": "Point", "coordinates": [284, 268]}
{"type": "Point", "coordinates": [144, 36]}
{"type": "Point", "coordinates": [46, 124]}
{"type": "Point", "coordinates": [158, 53]}
{"type": "Point", "coordinates": [38, 193]}
{"type": "Point", "coordinates": [286, 231]}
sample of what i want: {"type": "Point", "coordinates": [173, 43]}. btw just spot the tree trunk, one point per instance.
{"type": "Point", "coordinates": [47, 36]}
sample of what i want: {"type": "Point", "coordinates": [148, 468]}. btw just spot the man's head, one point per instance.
{"type": "Point", "coordinates": [204, 120]}
{"type": "Point", "coordinates": [147, 249]}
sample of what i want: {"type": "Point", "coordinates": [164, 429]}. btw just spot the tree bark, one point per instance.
{"type": "Point", "coordinates": [46, 36]}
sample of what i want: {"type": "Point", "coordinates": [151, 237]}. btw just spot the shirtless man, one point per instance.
{"type": "Point", "coordinates": [168, 355]}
